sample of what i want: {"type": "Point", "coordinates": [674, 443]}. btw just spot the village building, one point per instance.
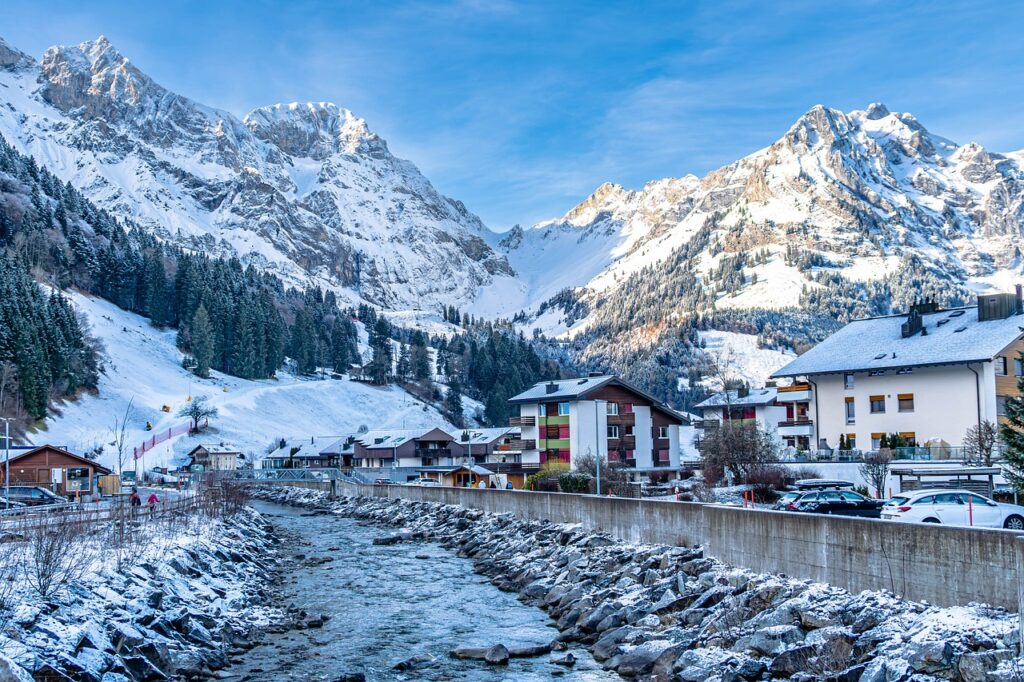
{"type": "Point", "coordinates": [212, 457]}
{"type": "Point", "coordinates": [54, 468]}
{"type": "Point", "coordinates": [305, 453]}
{"type": "Point", "coordinates": [780, 411]}
{"type": "Point", "coordinates": [928, 376]}
{"type": "Point", "coordinates": [599, 415]}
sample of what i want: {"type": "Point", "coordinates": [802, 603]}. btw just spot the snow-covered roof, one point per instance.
{"type": "Point", "coordinates": [218, 448]}
{"type": "Point", "coordinates": [561, 389]}
{"type": "Point", "coordinates": [392, 438]}
{"type": "Point", "coordinates": [953, 336]}
{"type": "Point", "coordinates": [577, 389]}
{"type": "Point", "coordinates": [484, 436]}
{"type": "Point", "coordinates": [303, 447]}
{"type": "Point", "coordinates": [756, 396]}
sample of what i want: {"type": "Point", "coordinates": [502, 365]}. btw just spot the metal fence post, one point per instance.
{"type": "Point", "coordinates": [1019, 546]}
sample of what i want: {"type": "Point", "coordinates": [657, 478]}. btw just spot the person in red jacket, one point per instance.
{"type": "Point", "coordinates": [152, 501]}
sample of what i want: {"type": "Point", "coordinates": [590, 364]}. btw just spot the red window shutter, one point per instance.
{"type": "Point", "coordinates": [563, 430]}
{"type": "Point", "coordinates": [629, 454]}
{"type": "Point", "coordinates": [627, 407]}
{"type": "Point", "coordinates": [563, 455]}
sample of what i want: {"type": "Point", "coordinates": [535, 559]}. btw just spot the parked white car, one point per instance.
{"type": "Point", "coordinates": [954, 508]}
{"type": "Point", "coordinates": [425, 482]}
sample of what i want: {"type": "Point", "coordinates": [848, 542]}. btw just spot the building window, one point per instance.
{"type": "Point", "coordinates": [1018, 367]}
{"type": "Point", "coordinates": [662, 432]}
{"type": "Point", "coordinates": [848, 382]}
{"type": "Point", "coordinates": [906, 402]}
{"type": "Point", "coordinates": [1000, 366]}
{"type": "Point", "coordinates": [851, 441]}
{"type": "Point", "coordinates": [613, 409]}
{"type": "Point", "coordinates": [542, 410]}
{"type": "Point", "coordinates": [627, 408]}
{"type": "Point", "coordinates": [851, 413]}
{"type": "Point", "coordinates": [563, 409]}
{"type": "Point", "coordinates": [613, 431]}
{"type": "Point", "coordinates": [1001, 405]}
{"type": "Point", "coordinates": [877, 404]}
{"type": "Point", "coordinates": [876, 440]}
{"type": "Point", "coordinates": [910, 438]}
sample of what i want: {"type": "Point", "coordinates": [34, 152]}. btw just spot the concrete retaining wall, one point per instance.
{"type": "Point", "coordinates": [939, 564]}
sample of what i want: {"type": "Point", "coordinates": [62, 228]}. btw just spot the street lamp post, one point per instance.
{"type": "Point", "coordinates": [7, 459]}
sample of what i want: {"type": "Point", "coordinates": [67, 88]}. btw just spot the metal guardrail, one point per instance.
{"type": "Point", "coordinates": [291, 476]}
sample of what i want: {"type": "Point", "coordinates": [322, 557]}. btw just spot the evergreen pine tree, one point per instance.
{"type": "Point", "coordinates": [380, 342]}
{"type": "Point", "coordinates": [1012, 432]}
{"type": "Point", "coordinates": [453, 403]}
{"type": "Point", "coordinates": [201, 337]}
{"type": "Point", "coordinates": [404, 367]}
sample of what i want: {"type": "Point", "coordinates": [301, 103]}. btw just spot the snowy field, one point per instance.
{"type": "Point", "coordinates": [142, 365]}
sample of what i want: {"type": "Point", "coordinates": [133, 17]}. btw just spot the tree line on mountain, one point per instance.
{"type": "Point", "coordinates": [230, 318]}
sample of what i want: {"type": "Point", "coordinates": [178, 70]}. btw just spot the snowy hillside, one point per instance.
{"type": "Point", "coordinates": [306, 190]}
{"type": "Point", "coordinates": [142, 365]}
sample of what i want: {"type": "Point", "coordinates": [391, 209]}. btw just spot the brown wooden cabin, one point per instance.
{"type": "Point", "coordinates": [36, 466]}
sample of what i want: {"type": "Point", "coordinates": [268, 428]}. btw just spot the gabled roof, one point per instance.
{"type": "Point", "coordinates": [756, 396]}
{"type": "Point", "coordinates": [953, 336]}
{"type": "Point", "coordinates": [388, 439]}
{"type": "Point", "coordinates": [216, 449]}
{"type": "Point", "coordinates": [99, 468]}
{"type": "Point", "coordinates": [304, 447]}
{"type": "Point", "coordinates": [484, 436]}
{"type": "Point", "coordinates": [577, 389]}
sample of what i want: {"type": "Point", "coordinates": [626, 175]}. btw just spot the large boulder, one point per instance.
{"type": "Point", "coordinates": [770, 640]}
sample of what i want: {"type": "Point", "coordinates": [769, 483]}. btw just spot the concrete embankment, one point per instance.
{"type": "Point", "coordinates": [661, 612]}
{"type": "Point", "coordinates": [178, 606]}
{"type": "Point", "coordinates": [924, 562]}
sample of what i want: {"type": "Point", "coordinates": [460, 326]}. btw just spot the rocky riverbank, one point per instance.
{"type": "Point", "coordinates": [183, 611]}
{"type": "Point", "coordinates": [670, 613]}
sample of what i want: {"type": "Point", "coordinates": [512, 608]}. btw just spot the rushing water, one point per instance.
{"type": "Point", "coordinates": [385, 606]}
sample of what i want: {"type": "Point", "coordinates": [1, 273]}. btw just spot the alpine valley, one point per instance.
{"type": "Point", "coordinates": [845, 215]}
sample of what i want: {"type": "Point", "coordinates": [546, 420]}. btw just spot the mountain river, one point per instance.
{"type": "Point", "coordinates": [386, 606]}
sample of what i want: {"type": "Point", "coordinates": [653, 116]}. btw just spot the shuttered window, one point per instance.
{"type": "Point", "coordinates": [906, 402]}
{"type": "Point", "coordinates": [877, 404]}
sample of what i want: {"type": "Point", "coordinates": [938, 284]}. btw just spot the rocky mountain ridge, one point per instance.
{"type": "Point", "coordinates": [306, 190]}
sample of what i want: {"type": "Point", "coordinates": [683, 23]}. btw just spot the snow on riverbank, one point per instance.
{"type": "Point", "coordinates": [179, 606]}
{"type": "Point", "coordinates": [142, 365]}
{"type": "Point", "coordinates": [672, 613]}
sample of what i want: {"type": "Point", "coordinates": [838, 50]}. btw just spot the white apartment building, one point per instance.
{"type": "Point", "coordinates": [601, 415]}
{"type": "Point", "coordinates": [928, 376]}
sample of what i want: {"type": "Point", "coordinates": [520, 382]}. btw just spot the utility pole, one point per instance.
{"type": "Point", "coordinates": [7, 459]}
{"type": "Point", "coordinates": [597, 440]}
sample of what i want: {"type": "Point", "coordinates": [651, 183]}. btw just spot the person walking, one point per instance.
{"type": "Point", "coordinates": [152, 502]}
{"type": "Point", "coordinates": [134, 501]}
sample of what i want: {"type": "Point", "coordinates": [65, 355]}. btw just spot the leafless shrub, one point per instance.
{"type": "Point", "coordinates": [875, 469]}
{"type": "Point", "coordinates": [57, 552]}
{"type": "Point", "coordinates": [10, 566]}
{"type": "Point", "coordinates": [801, 473]}
{"type": "Point", "coordinates": [766, 482]}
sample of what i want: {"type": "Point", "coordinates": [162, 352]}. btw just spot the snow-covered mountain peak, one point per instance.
{"type": "Point", "coordinates": [314, 130]}
{"type": "Point", "coordinates": [304, 189]}
{"type": "Point", "coordinates": [12, 57]}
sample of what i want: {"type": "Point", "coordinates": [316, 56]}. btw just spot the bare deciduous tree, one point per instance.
{"type": "Point", "coordinates": [875, 469]}
{"type": "Point", "coordinates": [198, 410]}
{"type": "Point", "coordinates": [738, 449]}
{"type": "Point", "coordinates": [980, 442]}
{"type": "Point", "coordinates": [614, 476]}
{"type": "Point", "coordinates": [119, 432]}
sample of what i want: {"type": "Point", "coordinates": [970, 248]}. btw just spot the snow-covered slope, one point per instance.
{"type": "Point", "coordinates": [304, 189]}
{"type": "Point", "coordinates": [143, 366]}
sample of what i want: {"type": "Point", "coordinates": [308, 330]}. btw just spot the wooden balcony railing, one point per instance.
{"type": "Point", "coordinates": [624, 419]}
{"type": "Point", "coordinates": [522, 421]}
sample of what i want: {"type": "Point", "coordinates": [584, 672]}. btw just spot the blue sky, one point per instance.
{"type": "Point", "coordinates": [521, 109]}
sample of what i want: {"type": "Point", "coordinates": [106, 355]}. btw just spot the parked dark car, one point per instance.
{"type": "Point", "coordinates": [34, 495]}
{"type": "Point", "coordinates": [10, 504]}
{"type": "Point", "coordinates": [385, 481]}
{"type": "Point", "coordinates": [788, 498]}
{"type": "Point", "coordinates": [838, 502]}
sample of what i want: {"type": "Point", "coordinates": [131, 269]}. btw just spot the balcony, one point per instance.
{"type": "Point", "coordinates": [622, 443]}
{"type": "Point", "coordinates": [797, 393]}
{"type": "Point", "coordinates": [613, 457]}
{"type": "Point", "coordinates": [522, 421]}
{"type": "Point", "coordinates": [432, 453]}
{"type": "Point", "coordinates": [518, 446]}
{"type": "Point", "coordinates": [706, 424]}
{"type": "Point", "coordinates": [796, 427]}
{"type": "Point", "coordinates": [624, 419]}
